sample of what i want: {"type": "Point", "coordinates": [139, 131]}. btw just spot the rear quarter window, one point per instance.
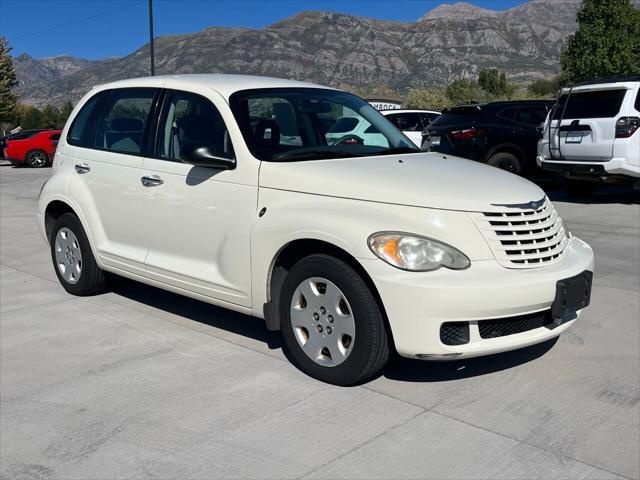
{"type": "Point", "coordinates": [637, 104]}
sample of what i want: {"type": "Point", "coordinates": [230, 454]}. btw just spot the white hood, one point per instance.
{"type": "Point", "coordinates": [421, 180]}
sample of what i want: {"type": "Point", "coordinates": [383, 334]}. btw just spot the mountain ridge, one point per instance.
{"type": "Point", "coordinates": [346, 51]}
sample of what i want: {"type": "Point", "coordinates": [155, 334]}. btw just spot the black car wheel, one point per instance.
{"type": "Point", "coordinates": [506, 161]}
{"type": "Point", "coordinates": [37, 159]}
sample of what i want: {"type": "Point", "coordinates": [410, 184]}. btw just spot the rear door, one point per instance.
{"type": "Point", "coordinates": [107, 142]}
{"type": "Point", "coordinates": [583, 127]}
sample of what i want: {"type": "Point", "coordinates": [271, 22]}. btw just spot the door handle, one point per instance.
{"type": "Point", "coordinates": [82, 168]}
{"type": "Point", "coordinates": [151, 180]}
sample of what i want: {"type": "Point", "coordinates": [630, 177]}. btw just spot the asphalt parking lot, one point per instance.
{"type": "Point", "coordinates": [139, 382]}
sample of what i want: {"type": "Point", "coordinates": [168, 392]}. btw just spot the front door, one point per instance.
{"type": "Point", "coordinates": [197, 220]}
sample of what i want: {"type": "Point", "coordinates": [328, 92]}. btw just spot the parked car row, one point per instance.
{"type": "Point", "coordinates": [588, 135]}
{"type": "Point", "coordinates": [305, 206]}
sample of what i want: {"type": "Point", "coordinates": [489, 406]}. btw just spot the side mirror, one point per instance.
{"type": "Point", "coordinates": [204, 155]}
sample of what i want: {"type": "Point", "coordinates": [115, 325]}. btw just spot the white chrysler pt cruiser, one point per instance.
{"type": "Point", "coordinates": [225, 188]}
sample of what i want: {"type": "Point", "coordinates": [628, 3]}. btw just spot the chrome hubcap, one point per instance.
{"type": "Point", "coordinates": [322, 321]}
{"type": "Point", "coordinates": [68, 255]}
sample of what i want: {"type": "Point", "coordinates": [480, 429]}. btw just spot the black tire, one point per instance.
{"type": "Point", "coordinates": [581, 188]}
{"type": "Point", "coordinates": [91, 279]}
{"type": "Point", "coordinates": [371, 348]}
{"type": "Point", "coordinates": [37, 159]}
{"type": "Point", "coordinates": [506, 161]}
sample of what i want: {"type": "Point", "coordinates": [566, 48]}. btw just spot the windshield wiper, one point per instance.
{"type": "Point", "coordinates": [312, 155]}
{"type": "Point", "coordinates": [391, 151]}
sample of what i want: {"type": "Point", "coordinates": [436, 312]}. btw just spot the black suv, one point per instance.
{"type": "Point", "coordinates": [502, 134]}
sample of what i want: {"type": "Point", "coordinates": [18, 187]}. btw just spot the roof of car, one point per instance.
{"type": "Point", "coordinates": [225, 84]}
{"type": "Point", "coordinates": [407, 110]}
{"type": "Point", "coordinates": [604, 84]}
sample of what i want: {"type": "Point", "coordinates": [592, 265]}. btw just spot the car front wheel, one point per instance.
{"type": "Point", "coordinates": [331, 324]}
{"type": "Point", "coordinates": [73, 259]}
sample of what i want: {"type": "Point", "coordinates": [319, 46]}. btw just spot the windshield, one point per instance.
{"type": "Point", "coordinates": [285, 124]}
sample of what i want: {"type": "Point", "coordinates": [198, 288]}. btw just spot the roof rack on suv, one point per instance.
{"type": "Point", "coordinates": [610, 79]}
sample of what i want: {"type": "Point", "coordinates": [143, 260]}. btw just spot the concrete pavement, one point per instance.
{"type": "Point", "coordinates": [140, 383]}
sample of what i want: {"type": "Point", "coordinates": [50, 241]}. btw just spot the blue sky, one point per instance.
{"type": "Point", "coordinates": [103, 28]}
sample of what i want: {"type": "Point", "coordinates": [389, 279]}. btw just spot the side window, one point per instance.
{"type": "Point", "coordinates": [121, 124]}
{"type": "Point", "coordinates": [407, 122]}
{"type": "Point", "coordinates": [637, 105]}
{"type": "Point", "coordinates": [80, 131]}
{"type": "Point", "coordinates": [55, 136]}
{"type": "Point", "coordinates": [507, 113]}
{"type": "Point", "coordinates": [531, 115]}
{"type": "Point", "coordinates": [344, 125]}
{"type": "Point", "coordinates": [427, 118]}
{"type": "Point", "coordinates": [190, 118]}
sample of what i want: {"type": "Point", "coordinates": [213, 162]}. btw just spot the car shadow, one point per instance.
{"type": "Point", "coordinates": [399, 368]}
{"type": "Point", "coordinates": [201, 312]}
{"type": "Point", "coordinates": [411, 370]}
{"type": "Point", "coordinates": [606, 194]}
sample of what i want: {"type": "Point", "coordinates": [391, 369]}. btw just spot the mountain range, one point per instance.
{"type": "Point", "coordinates": [449, 42]}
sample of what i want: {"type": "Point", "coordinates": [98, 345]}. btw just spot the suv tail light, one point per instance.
{"type": "Point", "coordinates": [626, 126]}
{"type": "Point", "coordinates": [468, 133]}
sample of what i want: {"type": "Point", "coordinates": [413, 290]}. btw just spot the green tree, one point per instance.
{"type": "Point", "coordinates": [426, 98]}
{"type": "Point", "coordinates": [495, 83]}
{"type": "Point", "coordinates": [545, 87]}
{"type": "Point", "coordinates": [50, 117]}
{"type": "Point", "coordinates": [464, 90]}
{"type": "Point", "coordinates": [606, 43]}
{"type": "Point", "coordinates": [65, 111]}
{"type": "Point", "coordinates": [31, 118]}
{"type": "Point", "coordinates": [7, 81]}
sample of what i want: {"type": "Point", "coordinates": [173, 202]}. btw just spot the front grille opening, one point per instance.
{"type": "Point", "coordinates": [513, 325]}
{"type": "Point", "coordinates": [454, 333]}
{"type": "Point", "coordinates": [525, 238]}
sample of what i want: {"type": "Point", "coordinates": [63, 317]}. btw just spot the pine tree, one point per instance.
{"type": "Point", "coordinates": [7, 81]}
{"type": "Point", "coordinates": [607, 41]}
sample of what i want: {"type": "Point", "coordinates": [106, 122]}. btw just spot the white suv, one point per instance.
{"type": "Point", "coordinates": [411, 122]}
{"type": "Point", "coordinates": [351, 250]}
{"type": "Point", "coordinates": [591, 135]}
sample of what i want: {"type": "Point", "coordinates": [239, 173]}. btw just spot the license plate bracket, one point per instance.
{"type": "Point", "coordinates": [572, 294]}
{"type": "Point", "coordinates": [573, 137]}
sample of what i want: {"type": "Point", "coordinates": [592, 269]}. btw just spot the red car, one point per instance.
{"type": "Point", "coordinates": [35, 150]}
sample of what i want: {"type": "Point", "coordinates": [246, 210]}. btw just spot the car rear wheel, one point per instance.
{"type": "Point", "coordinates": [37, 159]}
{"type": "Point", "coordinates": [331, 324]}
{"type": "Point", "coordinates": [506, 161]}
{"type": "Point", "coordinates": [73, 259]}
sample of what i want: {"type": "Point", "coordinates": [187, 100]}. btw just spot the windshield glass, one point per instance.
{"type": "Point", "coordinates": [286, 124]}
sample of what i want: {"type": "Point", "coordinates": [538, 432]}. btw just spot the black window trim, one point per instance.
{"type": "Point", "coordinates": [159, 111]}
{"type": "Point", "coordinates": [637, 104]}
{"type": "Point", "coordinates": [99, 109]}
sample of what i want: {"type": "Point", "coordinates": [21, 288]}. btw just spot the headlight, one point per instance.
{"type": "Point", "coordinates": [416, 253]}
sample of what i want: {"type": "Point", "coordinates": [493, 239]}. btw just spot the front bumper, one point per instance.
{"type": "Point", "coordinates": [418, 303]}
{"type": "Point", "coordinates": [587, 168]}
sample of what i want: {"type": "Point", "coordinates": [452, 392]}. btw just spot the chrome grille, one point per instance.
{"type": "Point", "coordinates": [522, 238]}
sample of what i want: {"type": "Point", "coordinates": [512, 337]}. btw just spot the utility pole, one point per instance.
{"type": "Point", "coordinates": [153, 66]}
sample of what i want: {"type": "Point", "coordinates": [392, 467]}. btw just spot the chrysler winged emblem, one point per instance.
{"type": "Point", "coordinates": [533, 204]}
